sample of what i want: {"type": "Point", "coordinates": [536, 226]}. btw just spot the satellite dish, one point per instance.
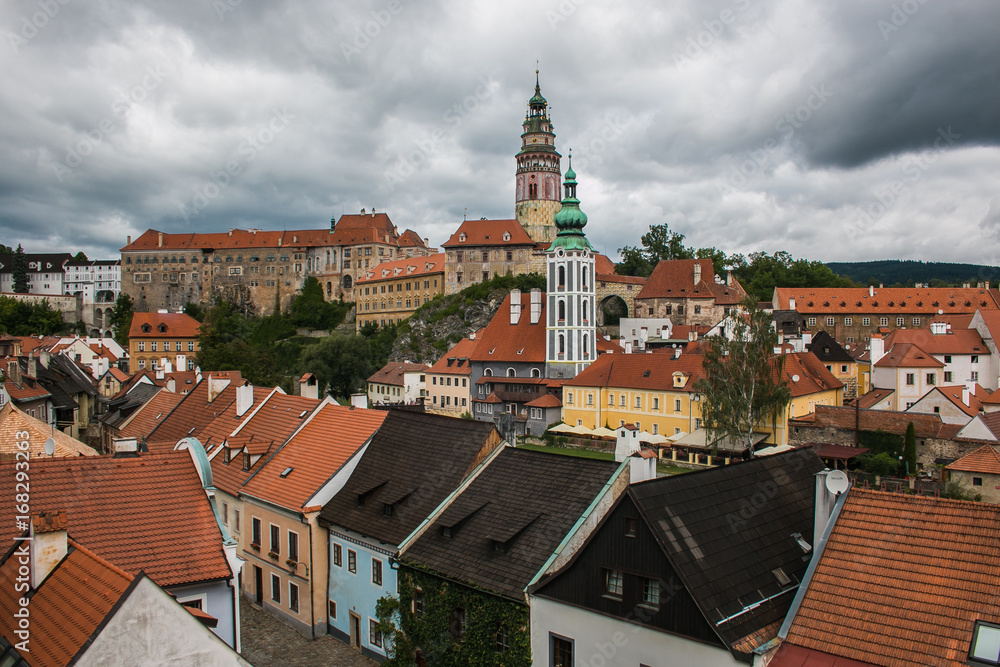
{"type": "Point", "coordinates": [50, 447]}
{"type": "Point", "coordinates": [837, 482]}
{"type": "Point", "coordinates": [795, 378]}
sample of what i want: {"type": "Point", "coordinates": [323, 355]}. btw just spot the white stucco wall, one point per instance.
{"type": "Point", "coordinates": [602, 641]}
{"type": "Point", "coordinates": [151, 629]}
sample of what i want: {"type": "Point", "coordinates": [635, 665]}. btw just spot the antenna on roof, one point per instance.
{"type": "Point", "coordinates": [465, 216]}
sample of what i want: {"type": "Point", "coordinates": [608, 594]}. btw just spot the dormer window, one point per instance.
{"type": "Point", "coordinates": [506, 236]}
{"type": "Point", "coordinates": [246, 460]}
{"type": "Point", "coordinates": [146, 328]}
{"type": "Point", "coordinates": [162, 328]}
{"type": "Point", "coordinates": [225, 455]}
{"type": "Point", "coordinates": [461, 237]}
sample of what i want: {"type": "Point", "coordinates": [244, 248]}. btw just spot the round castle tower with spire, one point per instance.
{"type": "Point", "coordinates": [538, 171]}
{"type": "Point", "coordinates": [570, 334]}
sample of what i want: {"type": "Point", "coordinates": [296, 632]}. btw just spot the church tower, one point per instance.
{"type": "Point", "coordinates": [538, 169]}
{"type": "Point", "coordinates": [570, 332]}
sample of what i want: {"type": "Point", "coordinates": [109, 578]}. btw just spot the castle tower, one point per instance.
{"type": "Point", "coordinates": [570, 332]}
{"type": "Point", "coordinates": [538, 169]}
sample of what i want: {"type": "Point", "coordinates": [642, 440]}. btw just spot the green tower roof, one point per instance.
{"type": "Point", "coordinates": [570, 220]}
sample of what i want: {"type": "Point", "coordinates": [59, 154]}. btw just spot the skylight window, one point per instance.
{"type": "Point", "coordinates": [805, 546]}
{"type": "Point", "coordinates": [985, 645]}
{"type": "Point", "coordinates": [303, 414]}
{"type": "Point", "coordinates": [285, 472]}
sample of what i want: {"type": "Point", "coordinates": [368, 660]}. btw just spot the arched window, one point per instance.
{"type": "Point", "coordinates": [348, 282]}
{"type": "Point", "coordinates": [488, 372]}
{"type": "Point", "coordinates": [535, 373]}
{"type": "Point", "coordinates": [584, 277]}
{"type": "Point", "coordinates": [562, 310]}
{"type": "Point", "coordinates": [562, 344]}
{"type": "Point", "coordinates": [586, 347]}
{"type": "Point", "coordinates": [511, 373]}
{"type": "Point", "coordinates": [562, 276]}
{"type": "Point", "coordinates": [585, 310]}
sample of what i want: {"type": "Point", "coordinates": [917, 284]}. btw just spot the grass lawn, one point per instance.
{"type": "Point", "coordinates": [661, 468]}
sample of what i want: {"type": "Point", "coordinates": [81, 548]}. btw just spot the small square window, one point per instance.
{"type": "Point", "coordinates": [829, 321]}
{"type": "Point", "coordinates": [613, 583]}
{"type": "Point", "coordinates": [332, 609]}
{"type": "Point", "coordinates": [977, 481]}
{"type": "Point", "coordinates": [374, 634]}
{"type": "Point", "coordinates": [630, 526]}
{"type": "Point", "coordinates": [651, 592]}
{"type": "Point", "coordinates": [376, 571]}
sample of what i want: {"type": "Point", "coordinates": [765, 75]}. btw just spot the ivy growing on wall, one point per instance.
{"type": "Point", "coordinates": [488, 620]}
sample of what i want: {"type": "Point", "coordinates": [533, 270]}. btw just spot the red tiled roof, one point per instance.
{"type": "Point", "coordinates": [392, 372]}
{"type": "Point", "coordinates": [403, 268]}
{"type": "Point", "coordinates": [641, 371]}
{"type": "Point", "coordinates": [603, 265]}
{"type": "Point", "coordinates": [277, 418]}
{"type": "Point", "coordinates": [789, 655]}
{"type": "Point", "coordinates": [20, 391]}
{"type": "Point", "coordinates": [904, 300]}
{"type": "Point", "coordinates": [237, 239]}
{"type": "Point", "coordinates": [452, 362]}
{"type": "Point", "coordinates": [902, 580]}
{"type": "Point", "coordinates": [503, 341]}
{"type": "Point", "coordinates": [992, 399]}
{"type": "Point", "coordinates": [410, 239]}
{"type": "Point", "coordinates": [118, 374]}
{"type": "Point", "coordinates": [14, 424]}
{"type": "Point", "coordinates": [874, 397]}
{"type": "Point", "coordinates": [354, 228]}
{"type": "Point", "coordinates": [178, 325]}
{"type": "Point", "coordinates": [984, 460]}
{"type": "Point", "coordinates": [492, 398]}
{"type": "Point", "coordinates": [227, 421]}
{"type": "Point", "coordinates": [956, 341]}
{"type": "Point", "coordinates": [813, 375]}
{"type": "Point", "coordinates": [67, 608]}
{"type": "Point", "coordinates": [545, 401]}
{"type": "Point", "coordinates": [907, 355]}
{"type": "Point", "coordinates": [954, 394]}
{"type": "Point", "coordinates": [313, 455]}
{"type": "Point", "coordinates": [489, 233]}
{"type": "Point", "coordinates": [674, 278]}
{"type": "Point", "coordinates": [194, 412]}
{"type": "Point", "coordinates": [146, 513]}
{"type": "Point", "coordinates": [615, 278]}
{"type": "Point", "coordinates": [142, 422]}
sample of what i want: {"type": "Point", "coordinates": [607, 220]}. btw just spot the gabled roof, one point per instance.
{"type": "Point", "coordinates": [502, 341]}
{"type": "Point", "coordinates": [412, 267]}
{"type": "Point", "coordinates": [603, 265]}
{"type": "Point", "coordinates": [830, 416]}
{"type": "Point", "coordinates": [811, 373]}
{"type": "Point", "coordinates": [237, 239]}
{"type": "Point", "coordinates": [544, 401]}
{"type": "Point", "coordinates": [175, 325]}
{"type": "Point", "coordinates": [828, 350]}
{"type": "Point", "coordinates": [874, 397]}
{"type": "Point", "coordinates": [507, 522]}
{"type": "Point", "coordinates": [67, 609]}
{"type": "Point", "coordinates": [956, 341]}
{"type": "Point", "coordinates": [355, 228]}
{"type": "Point", "coordinates": [429, 455]}
{"type": "Point", "coordinates": [907, 355]}
{"type": "Point", "coordinates": [21, 392]}
{"type": "Point", "coordinates": [276, 418]}
{"type": "Point", "coordinates": [148, 513]}
{"type": "Point", "coordinates": [392, 373]}
{"type": "Point", "coordinates": [122, 408]}
{"type": "Point", "coordinates": [307, 461]}
{"type": "Point", "coordinates": [410, 239]}
{"type": "Point", "coordinates": [904, 300]}
{"type": "Point", "coordinates": [457, 360]}
{"type": "Point", "coordinates": [954, 395]}
{"type": "Point", "coordinates": [477, 233]}
{"type": "Point", "coordinates": [194, 412]}
{"type": "Point", "coordinates": [674, 279]}
{"type": "Point", "coordinates": [145, 420]}
{"type": "Point", "coordinates": [983, 460]}
{"type": "Point", "coordinates": [227, 421]}
{"type": "Point", "coordinates": [37, 262]}
{"type": "Point", "coordinates": [14, 424]}
{"type": "Point", "coordinates": [726, 556]}
{"type": "Point", "coordinates": [641, 371]}
{"type": "Point", "coordinates": [902, 580]}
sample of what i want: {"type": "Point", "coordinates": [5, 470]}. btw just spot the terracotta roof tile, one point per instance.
{"type": "Point", "coordinates": [545, 401]}
{"type": "Point", "coordinates": [984, 460]}
{"type": "Point", "coordinates": [310, 458]}
{"type": "Point", "coordinates": [641, 371]}
{"type": "Point", "coordinates": [954, 394]}
{"type": "Point", "coordinates": [902, 580]}
{"type": "Point", "coordinates": [524, 341]}
{"type": "Point", "coordinates": [146, 513]}
{"type": "Point", "coordinates": [874, 397]}
{"type": "Point", "coordinates": [392, 373]}
{"type": "Point", "coordinates": [67, 608]}
{"type": "Point", "coordinates": [13, 421]}
{"type": "Point", "coordinates": [675, 279]}
{"type": "Point", "coordinates": [235, 240]}
{"type": "Point", "coordinates": [403, 268]}
{"type": "Point", "coordinates": [177, 325]}
{"type": "Point", "coordinates": [23, 392]}
{"type": "Point", "coordinates": [813, 377]}
{"type": "Point", "coordinates": [907, 355]}
{"type": "Point", "coordinates": [603, 266]}
{"type": "Point", "coordinates": [829, 416]}
{"type": "Point", "coordinates": [903, 300]}
{"type": "Point", "coordinates": [144, 420]}
{"type": "Point", "coordinates": [956, 341]}
{"type": "Point", "coordinates": [410, 239]}
{"type": "Point", "coordinates": [456, 361]}
{"type": "Point", "coordinates": [194, 412]}
{"type": "Point", "coordinates": [489, 233]}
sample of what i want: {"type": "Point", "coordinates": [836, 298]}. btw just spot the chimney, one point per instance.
{"type": "Point", "coordinates": [125, 447]}
{"type": "Point", "coordinates": [677, 353]}
{"type": "Point", "coordinates": [729, 277]}
{"type": "Point", "coordinates": [160, 241]}
{"type": "Point", "coordinates": [697, 273]}
{"type": "Point", "coordinates": [128, 240]}
{"type": "Point", "coordinates": [642, 466]}
{"type": "Point", "coordinates": [825, 502]}
{"type": "Point", "coordinates": [877, 349]}
{"type": "Point", "coordinates": [628, 347]}
{"type": "Point", "coordinates": [308, 386]}
{"type": "Point", "coordinates": [359, 400]}
{"type": "Point", "coordinates": [515, 306]}
{"type": "Point", "coordinates": [807, 338]}
{"type": "Point", "coordinates": [965, 395]}
{"type": "Point", "coordinates": [472, 336]}
{"type": "Point", "coordinates": [215, 387]}
{"type": "Point", "coordinates": [871, 290]}
{"type": "Point", "coordinates": [244, 398]}
{"type": "Point", "coordinates": [48, 544]}
{"type": "Point", "coordinates": [791, 303]}
{"type": "Point", "coordinates": [536, 305]}
{"type": "Point", "coordinates": [627, 443]}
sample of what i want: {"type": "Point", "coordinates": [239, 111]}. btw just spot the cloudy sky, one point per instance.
{"type": "Point", "coordinates": [846, 130]}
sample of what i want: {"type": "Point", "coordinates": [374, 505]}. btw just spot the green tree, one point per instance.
{"type": "Point", "coordinates": [910, 449]}
{"type": "Point", "coordinates": [20, 271]}
{"type": "Point", "coordinates": [120, 320]}
{"type": "Point", "coordinates": [309, 308]}
{"type": "Point", "coordinates": [761, 273]}
{"type": "Point", "coordinates": [744, 383]}
{"type": "Point", "coordinates": [658, 244]}
{"type": "Point", "coordinates": [340, 363]}
{"type": "Point", "coordinates": [18, 318]}
{"type": "Point", "coordinates": [80, 257]}
{"type": "Point", "coordinates": [194, 310]}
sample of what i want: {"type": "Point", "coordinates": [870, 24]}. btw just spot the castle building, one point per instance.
{"type": "Point", "coordinates": [538, 169]}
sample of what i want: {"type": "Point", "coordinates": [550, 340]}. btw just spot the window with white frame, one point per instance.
{"type": "Point", "coordinates": [377, 571]}
{"type": "Point", "coordinates": [293, 597]}
{"type": "Point", "coordinates": [275, 588]}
